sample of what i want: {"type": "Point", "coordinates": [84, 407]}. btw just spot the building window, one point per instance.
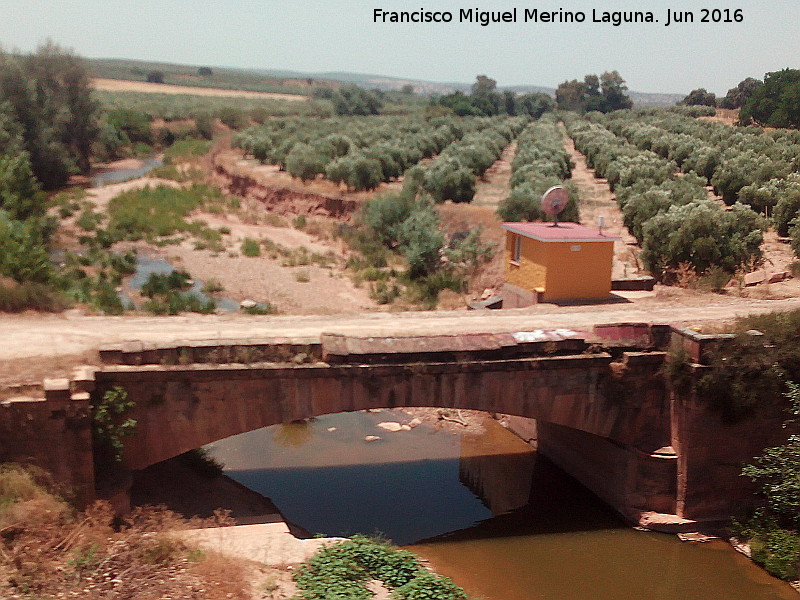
{"type": "Point", "coordinates": [517, 252]}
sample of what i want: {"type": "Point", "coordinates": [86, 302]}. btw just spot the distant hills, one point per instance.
{"type": "Point", "coordinates": [275, 80]}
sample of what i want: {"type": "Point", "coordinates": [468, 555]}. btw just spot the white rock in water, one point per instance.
{"type": "Point", "coordinates": [405, 427]}
{"type": "Point", "coordinates": [390, 426]}
{"type": "Point", "coordinates": [372, 438]}
{"type": "Point", "coordinates": [331, 429]}
{"type": "Point", "coordinates": [415, 422]}
{"type": "Point", "coordinates": [248, 303]}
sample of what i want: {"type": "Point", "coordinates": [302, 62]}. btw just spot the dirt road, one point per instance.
{"type": "Point", "coordinates": [120, 85]}
{"type": "Point", "coordinates": [73, 334]}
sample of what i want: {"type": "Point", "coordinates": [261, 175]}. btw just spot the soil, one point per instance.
{"type": "Point", "coordinates": [599, 201]}
{"type": "Point", "coordinates": [119, 85]}
{"type": "Point", "coordinates": [304, 289]}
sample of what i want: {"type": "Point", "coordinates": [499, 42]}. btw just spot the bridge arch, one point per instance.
{"type": "Point", "coordinates": [619, 406]}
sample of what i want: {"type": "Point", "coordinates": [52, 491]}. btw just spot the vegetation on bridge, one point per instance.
{"type": "Point", "coordinates": [748, 372]}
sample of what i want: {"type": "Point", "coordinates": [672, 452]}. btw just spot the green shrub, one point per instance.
{"type": "Point", "coordinates": [383, 292]}
{"type": "Point", "coordinates": [24, 256]}
{"type": "Point", "coordinates": [779, 552]}
{"type": "Point", "coordinates": [159, 284]}
{"type": "Point", "coordinates": [421, 240]}
{"type": "Point", "coordinates": [701, 235]}
{"type": "Point", "coordinates": [251, 247]}
{"type": "Point", "coordinates": [158, 212]}
{"type": "Point", "coordinates": [31, 296]}
{"type": "Point", "coordinates": [341, 570]}
{"type": "Point", "coordinates": [385, 214]}
{"type": "Point", "coordinates": [173, 303]}
{"type": "Point", "coordinates": [212, 286]}
{"type": "Point", "coordinates": [262, 308]}
{"type": "Point", "coordinates": [109, 423]}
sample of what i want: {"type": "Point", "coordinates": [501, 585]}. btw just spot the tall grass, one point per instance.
{"type": "Point", "coordinates": [31, 296]}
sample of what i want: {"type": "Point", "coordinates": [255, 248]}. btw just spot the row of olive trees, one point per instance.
{"type": "Point", "coordinates": [359, 152]}
{"type": "Point", "coordinates": [730, 158]}
{"type": "Point", "coordinates": [751, 166]}
{"type": "Point", "coordinates": [540, 162]}
{"type": "Point", "coordinates": [452, 176]}
{"type": "Point", "coordinates": [670, 215]}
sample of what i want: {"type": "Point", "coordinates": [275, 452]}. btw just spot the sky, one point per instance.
{"type": "Point", "coordinates": [341, 35]}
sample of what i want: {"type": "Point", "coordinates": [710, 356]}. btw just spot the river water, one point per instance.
{"type": "Point", "coordinates": [504, 523]}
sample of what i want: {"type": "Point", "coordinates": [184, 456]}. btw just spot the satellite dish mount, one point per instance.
{"type": "Point", "coordinates": [554, 201]}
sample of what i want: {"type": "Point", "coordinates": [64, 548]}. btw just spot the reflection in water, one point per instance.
{"type": "Point", "coordinates": [293, 434]}
{"type": "Point", "coordinates": [404, 486]}
{"type": "Point", "coordinates": [564, 544]}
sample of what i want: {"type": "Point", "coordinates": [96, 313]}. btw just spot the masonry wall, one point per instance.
{"type": "Point", "coordinates": [54, 434]}
{"type": "Point", "coordinates": [181, 408]}
{"type": "Point", "coordinates": [712, 452]}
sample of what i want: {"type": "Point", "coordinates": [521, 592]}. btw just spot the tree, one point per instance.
{"type": "Point", "coordinates": [48, 95]}
{"type": "Point", "coordinates": [613, 88]}
{"type": "Point", "coordinates": [421, 240]}
{"type": "Point", "coordinates": [155, 77]}
{"type": "Point", "coordinates": [484, 86]}
{"type": "Point", "coordinates": [570, 95]}
{"type": "Point", "coordinates": [353, 100]}
{"type": "Point", "coordinates": [205, 72]}
{"type": "Point", "coordinates": [407, 89]}
{"type": "Point", "coordinates": [510, 102]}
{"type": "Point", "coordinates": [776, 103]}
{"type": "Point", "coordinates": [604, 94]}
{"type": "Point", "coordinates": [736, 97]}
{"type": "Point", "coordinates": [535, 104]}
{"type": "Point", "coordinates": [699, 97]}
{"type": "Point", "coordinates": [703, 236]}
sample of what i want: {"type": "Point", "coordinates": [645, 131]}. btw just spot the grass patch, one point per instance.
{"type": "Point", "coordinates": [262, 308]}
{"type": "Point", "coordinates": [213, 286]}
{"type": "Point", "coordinates": [251, 247]}
{"type": "Point", "coordinates": [341, 570]}
{"type": "Point", "coordinates": [183, 150]}
{"type": "Point", "coordinates": [162, 211]}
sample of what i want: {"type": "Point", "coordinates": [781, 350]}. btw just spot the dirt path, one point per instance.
{"type": "Point", "coordinates": [598, 201]}
{"type": "Point", "coordinates": [47, 337]}
{"type": "Point", "coordinates": [493, 186]}
{"type": "Point", "coordinates": [120, 85]}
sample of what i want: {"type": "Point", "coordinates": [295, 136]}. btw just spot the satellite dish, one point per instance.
{"type": "Point", "coordinates": [554, 201]}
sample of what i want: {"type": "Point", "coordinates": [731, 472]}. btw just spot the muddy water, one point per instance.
{"type": "Point", "coordinates": [502, 522]}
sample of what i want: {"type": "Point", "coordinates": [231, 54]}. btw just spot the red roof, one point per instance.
{"type": "Point", "coordinates": [565, 232]}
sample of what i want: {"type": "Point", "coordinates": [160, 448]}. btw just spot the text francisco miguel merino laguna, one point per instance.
{"type": "Point", "coordinates": [615, 18]}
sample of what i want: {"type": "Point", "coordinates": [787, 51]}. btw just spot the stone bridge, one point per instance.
{"type": "Point", "coordinates": [601, 407]}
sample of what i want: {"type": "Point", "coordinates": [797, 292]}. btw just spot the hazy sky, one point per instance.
{"type": "Point", "coordinates": [340, 35]}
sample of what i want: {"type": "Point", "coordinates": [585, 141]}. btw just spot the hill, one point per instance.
{"type": "Point", "coordinates": [297, 82]}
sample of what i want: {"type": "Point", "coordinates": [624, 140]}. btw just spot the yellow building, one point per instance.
{"type": "Point", "coordinates": [545, 263]}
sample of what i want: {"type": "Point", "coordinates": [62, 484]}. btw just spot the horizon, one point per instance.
{"type": "Point", "coordinates": [323, 36]}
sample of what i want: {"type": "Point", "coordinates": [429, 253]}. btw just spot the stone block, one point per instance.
{"type": "Point", "coordinates": [56, 390]}
{"type": "Point", "coordinates": [755, 278]}
{"type": "Point", "coordinates": [777, 277]}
